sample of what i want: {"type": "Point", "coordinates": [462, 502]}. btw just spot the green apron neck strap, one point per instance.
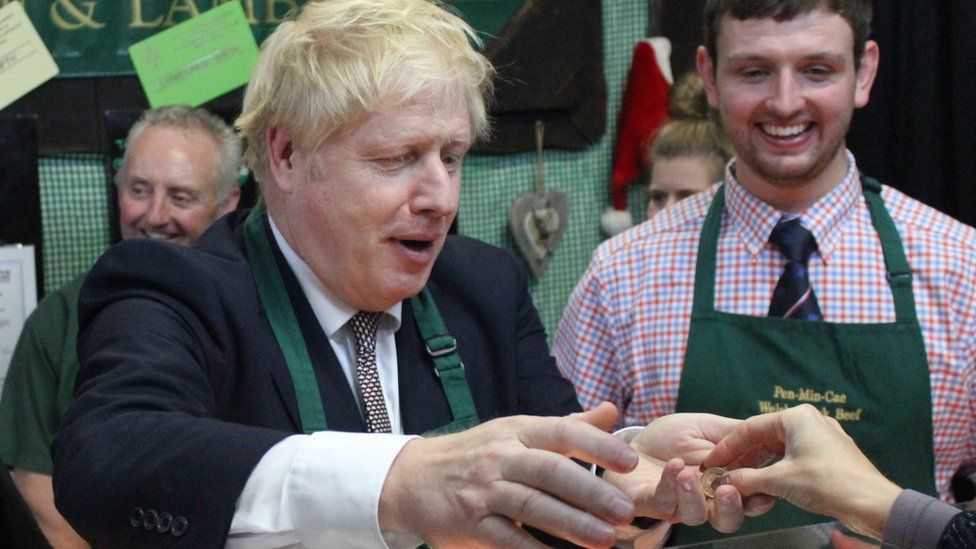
{"type": "Point", "coordinates": [899, 272]}
{"type": "Point", "coordinates": [704, 299]}
{"type": "Point", "coordinates": [442, 349]}
{"type": "Point", "coordinates": [284, 323]}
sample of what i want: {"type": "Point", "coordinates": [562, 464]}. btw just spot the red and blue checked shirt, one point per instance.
{"type": "Point", "coordinates": [623, 334]}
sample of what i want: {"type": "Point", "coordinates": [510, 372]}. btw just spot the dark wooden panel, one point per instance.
{"type": "Point", "coordinates": [549, 56]}
{"type": "Point", "coordinates": [20, 196]}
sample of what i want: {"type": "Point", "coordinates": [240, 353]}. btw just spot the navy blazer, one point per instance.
{"type": "Point", "coordinates": [183, 387]}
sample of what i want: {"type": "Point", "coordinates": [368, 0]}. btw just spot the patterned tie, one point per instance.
{"type": "Point", "coordinates": [364, 326]}
{"type": "Point", "coordinates": [793, 296]}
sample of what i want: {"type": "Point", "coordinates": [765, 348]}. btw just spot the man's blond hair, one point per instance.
{"type": "Point", "coordinates": [336, 61]}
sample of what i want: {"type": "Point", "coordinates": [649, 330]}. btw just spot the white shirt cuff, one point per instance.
{"type": "Point", "coordinates": [320, 490]}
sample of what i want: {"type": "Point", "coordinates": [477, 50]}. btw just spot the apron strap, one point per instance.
{"type": "Point", "coordinates": [704, 296]}
{"type": "Point", "coordinates": [284, 323]}
{"type": "Point", "coordinates": [442, 349]}
{"type": "Point", "coordinates": [899, 273]}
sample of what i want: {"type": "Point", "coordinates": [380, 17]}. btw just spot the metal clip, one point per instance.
{"type": "Point", "coordinates": [441, 352]}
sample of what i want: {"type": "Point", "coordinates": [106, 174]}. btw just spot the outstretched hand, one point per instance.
{"type": "Point", "coordinates": [820, 469]}
{"type": "Point", "coordinates": [665, 483]}
{"type": "Point", "coordinates": [477, 488]}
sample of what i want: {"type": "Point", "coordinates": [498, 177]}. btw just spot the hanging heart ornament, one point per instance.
{"type": "Point", "coordinates": [538, 219]}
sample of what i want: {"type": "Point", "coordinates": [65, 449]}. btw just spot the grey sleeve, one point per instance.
{"type": "Point", "coordinates": [916, 521]}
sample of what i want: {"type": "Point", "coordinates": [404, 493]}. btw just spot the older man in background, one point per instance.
{"type": "Point", "coordinates": [177, 177]}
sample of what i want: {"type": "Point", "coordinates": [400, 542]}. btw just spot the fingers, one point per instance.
{"type": "Point", "coordinates": [580, 439]}
{"type": "Point", "coordinates": [692, 505]}
{"type": "Point", "coordinates": [758, 504]}
{"type": "Point", "coordinates": [499, 531]}
{"type": "Point", "coordinates": [542, 511]}
{"type": "Point", "coordinates": [727, 510]}
{"type": "Point", "coordinates": [663, 501]}
{"type": "Point", "coordinates": [603, 417]}
{"type": "Point", "coordinates": [567, 482]}
{"type": "Point", "coordinates": [758, 481]}
{"type": "Point", "coordinates": [715, 428]}
{"type": "Point", "coordinates": [755, 438]}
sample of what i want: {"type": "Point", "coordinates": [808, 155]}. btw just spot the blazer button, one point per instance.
{"type": "Point", "coordinates": [150, 519]}
{"type": "Point", "coordinates": [164, 523]}
{"type": "Point", "coordinates": [135, 519]}
{"type": "Point", "coordinates": [179, 527]}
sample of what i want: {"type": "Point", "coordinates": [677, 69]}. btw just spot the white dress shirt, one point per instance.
{"type": "Point", "coordinates": [322, 490]}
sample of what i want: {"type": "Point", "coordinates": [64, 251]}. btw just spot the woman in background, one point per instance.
{"type": "Point", "coordinates": [690, 152]}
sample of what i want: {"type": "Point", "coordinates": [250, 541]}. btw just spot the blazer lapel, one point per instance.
{"type": "Point", "coordinates": [341, 411]}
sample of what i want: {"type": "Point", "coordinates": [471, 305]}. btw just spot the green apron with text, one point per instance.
{"type": "Point", "coordinates": [872, 378]}
{"type": "Point", "coordinates": [441, 347]}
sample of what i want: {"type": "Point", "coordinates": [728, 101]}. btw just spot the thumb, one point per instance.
{"type": "Point", "coordinates": [750, 482]}
{"type": "Point", "coordinates": [602, 417]}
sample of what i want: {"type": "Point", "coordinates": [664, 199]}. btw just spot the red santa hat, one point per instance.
{"type": "Point", "coordinates": [644, 109]}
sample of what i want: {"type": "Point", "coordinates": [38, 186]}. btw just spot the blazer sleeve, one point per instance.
{"type": "Point", "coordinates": [143, 459]}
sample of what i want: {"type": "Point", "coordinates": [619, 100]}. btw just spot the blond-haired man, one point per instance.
{"type": "Point", "coordinates": [264, 388]}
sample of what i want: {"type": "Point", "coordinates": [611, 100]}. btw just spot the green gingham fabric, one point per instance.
{"type": "Point", "coordinates": [75, 211]}
{"type": "Point", "coordinates": [74, 215]}
{"type": "Point", "coordinates": [491, 183]}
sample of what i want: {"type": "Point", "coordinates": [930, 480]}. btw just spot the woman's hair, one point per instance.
{"type": "Point", "coordinates": [694, 129]}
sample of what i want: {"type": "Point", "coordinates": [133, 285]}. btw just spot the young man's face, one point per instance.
{"type": "Point", "coordinates": [786, 92]}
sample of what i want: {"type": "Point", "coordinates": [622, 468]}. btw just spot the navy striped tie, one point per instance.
{"type": "Point", "coordinates": [793, 296]}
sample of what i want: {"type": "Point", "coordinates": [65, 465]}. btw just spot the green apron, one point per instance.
{"type": "Point", "coordinates": [441, 347]}
{"type": "Point", "coordinates": [873, 378]}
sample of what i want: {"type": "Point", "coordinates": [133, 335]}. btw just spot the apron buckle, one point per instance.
{"type": "Point", "coordinates": [449, 345]}
{"type": "Point", "coordinates": [899, 278]}
{"type": "Point", "coordinates": [437, 371]}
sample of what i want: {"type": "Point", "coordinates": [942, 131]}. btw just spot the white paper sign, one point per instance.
{"type": "Point", "coordinates": [25, 62]}
{"type": "Point", "coordinates": [18, 297]}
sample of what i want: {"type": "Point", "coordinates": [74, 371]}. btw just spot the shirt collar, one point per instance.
{"type": "Point", "coordinates": [753, 220]}
{"type": "Point", "coordinates": [331, 312]}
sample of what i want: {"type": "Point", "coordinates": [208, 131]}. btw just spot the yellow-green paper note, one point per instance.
{"type": "Point", "coordinates": [197, 60]}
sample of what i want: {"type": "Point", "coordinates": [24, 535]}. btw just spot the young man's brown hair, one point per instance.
{"type": "Point", "coordinates": [857, 13]}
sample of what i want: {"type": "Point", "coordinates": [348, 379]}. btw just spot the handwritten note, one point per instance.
{"type": "Point", "coordinates": [197, 60]}
{"type": "Point", "coordinates": [25, 63]}
{"type": "Point", "coordinates": [18, 297]}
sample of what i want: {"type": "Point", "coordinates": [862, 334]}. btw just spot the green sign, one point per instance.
{"type": "Point", "coordinates": [92, 37]}
{"type": "Point", "coordinates": [198, 60]}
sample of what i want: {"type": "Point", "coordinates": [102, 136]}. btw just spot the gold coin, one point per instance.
{"type": "Point", "coordinates": [711, 479]}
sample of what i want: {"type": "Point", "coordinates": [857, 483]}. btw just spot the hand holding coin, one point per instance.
{"type": "Point", "coordinates": [711, 479]}
{"type": "Point", "coordinates": [666, 483]}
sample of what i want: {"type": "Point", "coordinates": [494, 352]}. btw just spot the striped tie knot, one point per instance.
{"type": "Point", "coordinates": [793, 241]}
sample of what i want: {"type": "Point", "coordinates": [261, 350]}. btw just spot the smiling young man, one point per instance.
{"type": "Point", "coordinates": [797, 280]}
{"type": "Point", "coordinates": [178, 175]}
